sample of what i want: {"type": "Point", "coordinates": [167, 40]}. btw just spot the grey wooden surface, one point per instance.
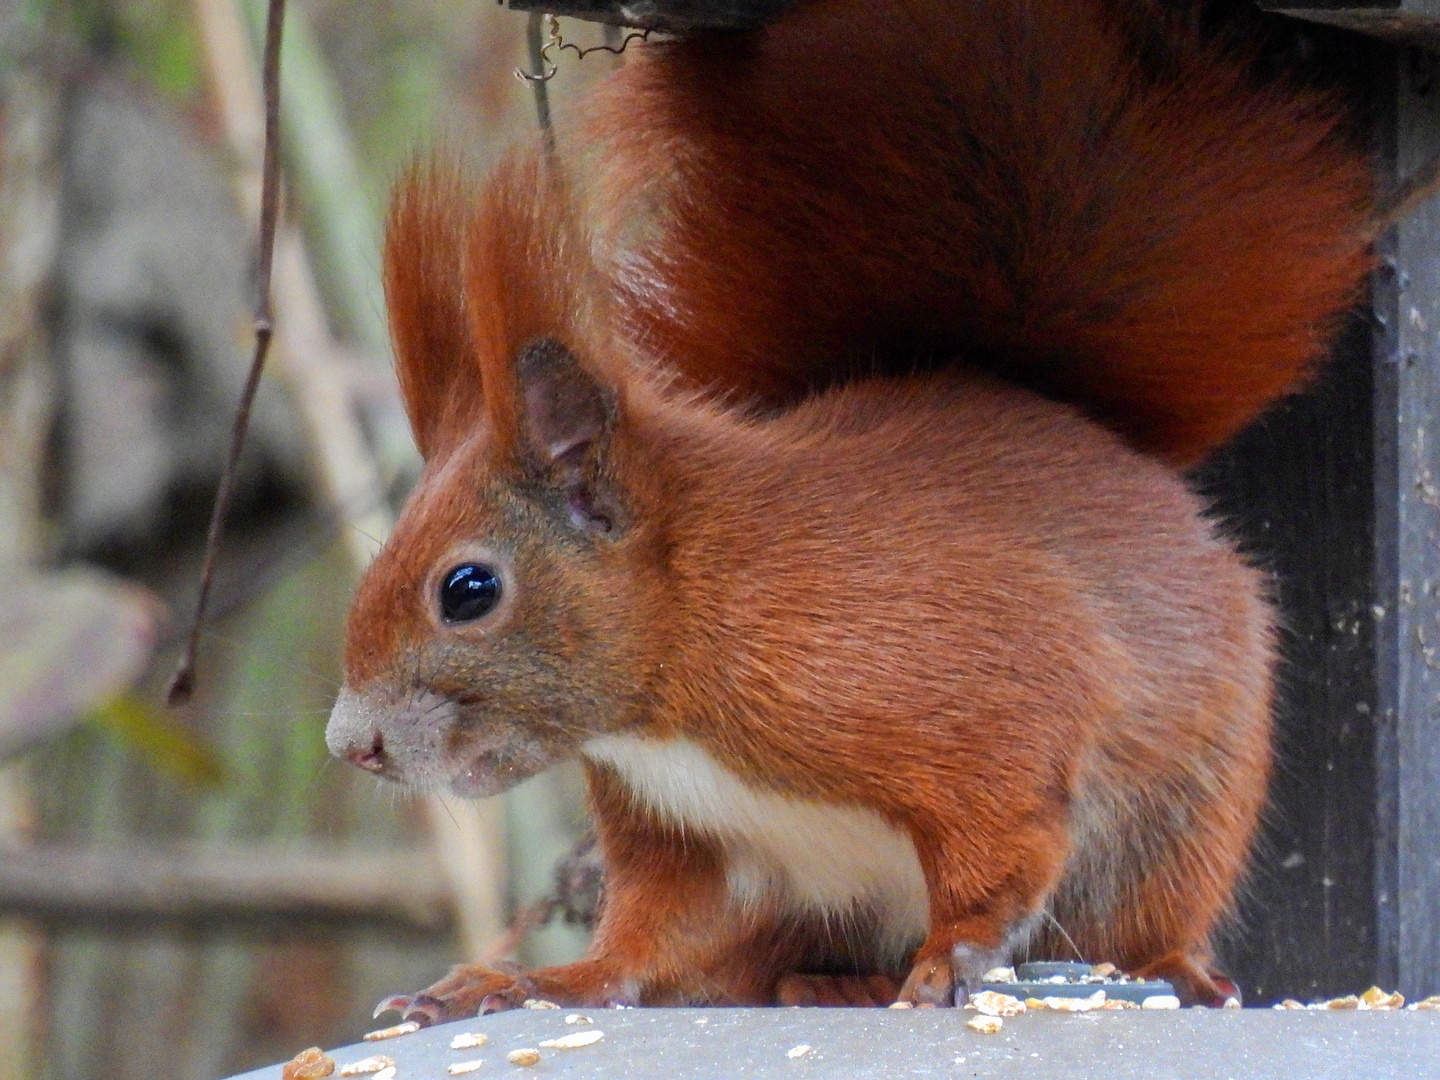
{"type": "Point", "coordinates": [854, 1044]}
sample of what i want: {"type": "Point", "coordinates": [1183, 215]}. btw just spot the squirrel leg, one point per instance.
{"type": "Point", "coordinates": [983, 904]}
{"type": "Point", "coordinates": [1181, 892]}
{"type": "Point", "coordinates": [661, 930]}
{"type": "Point", "coordinates": [668, 933]}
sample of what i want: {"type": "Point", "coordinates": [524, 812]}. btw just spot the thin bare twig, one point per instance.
{"type": "Point", "coordinates": [182, 686]}
{"type": "Point", "coordinates": [535, 38]}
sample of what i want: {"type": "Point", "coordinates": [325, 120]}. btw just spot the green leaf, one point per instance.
{"type": "Point", "coordinates": [161, 739]}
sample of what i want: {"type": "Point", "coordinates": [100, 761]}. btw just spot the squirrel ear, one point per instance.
{"type": "Point", "coordinates": [566, 414]}
{"type": "Point", "coordinates": [566, 410]}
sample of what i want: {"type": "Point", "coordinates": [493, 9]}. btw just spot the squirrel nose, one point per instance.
{"type": "Point", "coordinates": [368, 756]}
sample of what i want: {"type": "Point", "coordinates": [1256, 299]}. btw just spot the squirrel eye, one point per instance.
{"type": "Point", "coordinates": [468, 592]}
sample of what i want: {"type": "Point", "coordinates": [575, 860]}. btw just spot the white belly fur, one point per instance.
{"type": "Point", "coordinates": [820, 858]}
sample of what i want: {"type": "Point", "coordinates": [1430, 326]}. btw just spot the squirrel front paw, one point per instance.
{"type": "Point", "coordinates": [469, 990]}
{"type": "Point", "coordinates": [948, 978]}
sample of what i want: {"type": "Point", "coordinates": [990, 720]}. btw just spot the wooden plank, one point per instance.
{"type": "Point", "coordinates": [1403, 22]}
{"type": "Point", "coordinates": [241, 885]}
{"type": "Point", "coordinates": [675, 16]}
{"type": "Point", "coordinates": [1407, 414]}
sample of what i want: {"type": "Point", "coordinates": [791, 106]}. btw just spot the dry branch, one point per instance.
{"type": "Point", "coordinates": [231, 885]}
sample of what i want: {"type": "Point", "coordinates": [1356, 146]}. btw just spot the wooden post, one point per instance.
{"type": "Point", "coordinates": [1407, 487]}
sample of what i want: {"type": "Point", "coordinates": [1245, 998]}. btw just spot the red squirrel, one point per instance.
{"type": "Point", "coordinates": [801, 454]}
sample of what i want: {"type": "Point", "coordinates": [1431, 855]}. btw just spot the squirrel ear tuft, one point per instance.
{"type": "Point", "coordinates": [435, 359]}
{"type": "Point", "coordinates": [566, 410]}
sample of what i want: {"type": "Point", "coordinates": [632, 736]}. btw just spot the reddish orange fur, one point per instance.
{"type": "Point", "coordinates": [1162, 247]}
{"type": "Point", "coordinates": [940, 598]}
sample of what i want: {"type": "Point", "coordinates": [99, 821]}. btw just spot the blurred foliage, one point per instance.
{"type": "Point", "coordinates": [249, 759]}
{"type": "Point", "coordinates": [155, 37]}
{"type": "Point", "coordinates": [72, 641]}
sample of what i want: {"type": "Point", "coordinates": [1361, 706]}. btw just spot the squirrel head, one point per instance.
{"type": "Point", "coordinates": [503, 623]}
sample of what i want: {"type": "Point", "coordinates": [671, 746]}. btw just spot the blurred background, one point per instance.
{"type": "Point", "coordinates": [194, 892]}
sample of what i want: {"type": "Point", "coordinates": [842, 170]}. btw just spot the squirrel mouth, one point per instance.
{"type": "Point", "coordinates": [492, 771]}
{"type": "Point", "coordinates": [424, 741]}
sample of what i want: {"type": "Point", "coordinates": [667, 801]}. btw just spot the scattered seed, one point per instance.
{"type": "Point", "coordinates": [1231, 1003]}
{"type": "Point", "coordinates": [1375, 998]}
{"type": "Point", "coordinates": [1104, 970]}
{"type": "Point", "coordinates": [527, 1056]}
{"type": "Point", "coordinates": [576, 1018]}
{"type": "Point", "coordinates": [537, 1003]}
{"type": "Point", "coordinates": [372, 1064]}
{"type": "Point", "coordinates": [1288, 1003]}
{"type": "Point", "coordinates": [992, 1003]}
{"type": "Point", "coordinates": [1116, 1004]}
{"type": "Point", "coordinates": [407, 1028]}
{"type": "Point", "coordinates": [461, 1067]}
{"type": "Point", "coordinates": [1349, 1001]}
{"type": "Point", "coordinates": [1162, 1001]}
{"type": "Point", "coordinates": [387, 1073]}
{"type": "Point", "coordinates": [574, 1040]}
{"type": "Point", "coordinates": [311, 1064]}
{"type": "Point", "coordinates": [999, 974]}
{"type": "Point", "coordinates": [468, 1040]}
{"type": "Point", "coordinates": [986, 1025]}
{"type": "Point", "coordinates": [1430, 1004]}
{"type": "Point", "coordinates": [1035, 1004]}
{"type": "Point", "coordinates": [798, 1051]}
{"type": "Point", "coordinates": [1071, 1004]}
{"type": "Point", "coordinates": [901, 1005]}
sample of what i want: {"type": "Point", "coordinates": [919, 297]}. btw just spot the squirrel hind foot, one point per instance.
{"type": "Point", "coordinates": [833, 991]}
{"type": "Point", "coordinates": [1195, 980]}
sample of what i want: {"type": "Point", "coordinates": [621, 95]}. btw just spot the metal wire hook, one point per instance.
{"type": "Point", "coordinates": [547, 67]}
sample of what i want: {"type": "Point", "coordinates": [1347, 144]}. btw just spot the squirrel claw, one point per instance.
{"type": "Point", "coordinates": [932, 983]}
{"type": "Point", "coordinates": [394, 1003]}
{"type": "Point", "coordinates": [425, 1010]}
{"type": "Point", "coordinates": [494, 1003]}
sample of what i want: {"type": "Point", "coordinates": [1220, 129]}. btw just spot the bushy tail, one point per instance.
{"type": "Point", "coordinates": [891, 184]}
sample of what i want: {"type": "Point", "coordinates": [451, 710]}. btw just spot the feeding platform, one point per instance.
{"type": "Point", "coordinates": [854, 1044]}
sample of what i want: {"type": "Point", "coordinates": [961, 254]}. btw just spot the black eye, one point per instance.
{"type": "Point", "coordinates": [468, 592]}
